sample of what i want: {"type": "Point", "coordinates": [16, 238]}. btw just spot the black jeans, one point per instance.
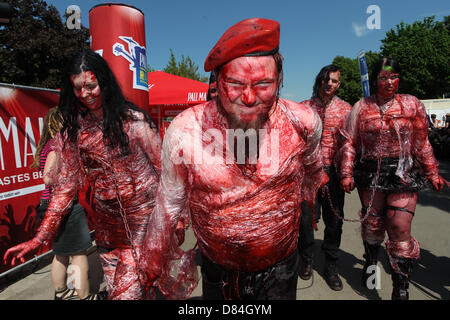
{"type": "Point", "coordinates": [278, 282]}
{"type": "Point", "coordinates": [333, 225]}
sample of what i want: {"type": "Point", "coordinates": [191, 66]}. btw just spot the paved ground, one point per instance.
{"type": "Point", "coordinates": [430, 279]}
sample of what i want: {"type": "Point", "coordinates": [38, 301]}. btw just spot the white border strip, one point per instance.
{"type": "Point", "coordinates": [21, 192]}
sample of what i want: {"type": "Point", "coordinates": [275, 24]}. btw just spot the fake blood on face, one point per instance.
{"type": "Point", "coordinates": [87, 90]}
{"type": "Point", "coordinates": [387, 84]}
{"type": "Point", "coordinates": [248, 86]}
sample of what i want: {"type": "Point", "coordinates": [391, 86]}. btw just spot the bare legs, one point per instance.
{"type": "Point", "coordinates": [79, 270]}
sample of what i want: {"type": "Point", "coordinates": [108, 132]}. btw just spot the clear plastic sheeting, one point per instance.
{"type": "Point", "coordinates": [119, 182]}
{"type": "Point", "coordinates": [373, 228]}
{"type": "Point", "coordinates": [397, 130]}
{"type": "Point", "coordinates": [399, 250]}
{"type": "Point", "coordinates": [334, 116]}
{"type": "Point", "coordinates": [245, 216]}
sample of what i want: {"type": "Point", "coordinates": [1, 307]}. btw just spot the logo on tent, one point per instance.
{"type": "Point", "coordinates": [138, 61]}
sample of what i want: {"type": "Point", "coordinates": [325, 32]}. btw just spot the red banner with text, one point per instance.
{"type": "Point", "coordinates": [22, 112]}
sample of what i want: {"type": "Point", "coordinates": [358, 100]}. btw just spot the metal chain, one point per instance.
{"type": "Point", "coordinates": [140, 272]}
{"type": "Point", "coordinates": [326, 191]}
{"type": "Point", "coordinates": [125, 223]}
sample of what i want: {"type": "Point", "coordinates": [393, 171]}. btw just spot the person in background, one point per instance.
{"type": "Point", "coordinates": [212, 90]}
{"type": "Point", "coordinates": [330, 200]}
{"type": "Point", "coordinates": [73, 239]}
{"type": "Point", "coordinates": [108, 141]}
{"type": "Point", "coordinates": [434, 121]}
{"type": "Point", "coordinates": [388, 157]}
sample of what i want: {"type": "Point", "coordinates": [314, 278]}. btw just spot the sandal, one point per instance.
{"type": "Point", "coordinates": [66, 294]}
{"type": "Point", "coordinates": [102, 295]}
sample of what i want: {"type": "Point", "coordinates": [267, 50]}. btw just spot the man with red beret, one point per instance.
{"type": "Point", "coordinates": [237, 168]}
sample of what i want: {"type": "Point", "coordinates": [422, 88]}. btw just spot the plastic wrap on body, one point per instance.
{"type": "Point", "coordinates": [334, 116]}
{"type": "Point", "coordinates": [399, 131]}
{"type": "Point", "coordinates": [245, 216]}
{"type": "Point", "coordinates": [121, 183]}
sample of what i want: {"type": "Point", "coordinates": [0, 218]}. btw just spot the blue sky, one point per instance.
{"type": "Point", "coordinates": [312, 32]}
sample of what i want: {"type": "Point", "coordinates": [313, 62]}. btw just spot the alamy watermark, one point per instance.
{"type": "Point", "coordinates": [236, 146]}
{"type": "Point", "coordinates": [73, 277]}
{"type": "Point", "coordinates": [374, 20]}
{"type": "Point", "coordinates": [73, 13]}
{"type": "Point", "coordinates": [374, 280]}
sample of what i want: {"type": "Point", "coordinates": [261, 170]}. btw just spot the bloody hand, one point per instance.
{"type": "Point", "coordinates": [179, 232]}
{"type": "Point", "coordinates": [438, 182]}
{"type": "Point", "coordinates": [18, 253]}
{"type": "Point", "coordinates": [347, 184]}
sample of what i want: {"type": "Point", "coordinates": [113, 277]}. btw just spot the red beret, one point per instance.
{"type": "Point", "coordinates": [250, 37]}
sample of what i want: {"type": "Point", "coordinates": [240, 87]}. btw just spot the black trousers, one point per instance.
{"type": "Point", "coordinates": [278, 282]}
{"type": "Point", "coordinates": [333, 225]}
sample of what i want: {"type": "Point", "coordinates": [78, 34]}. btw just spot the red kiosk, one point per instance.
{"type": "Point", "coordinates": [169, 95]}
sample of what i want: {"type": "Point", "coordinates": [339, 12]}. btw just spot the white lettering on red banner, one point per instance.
{"type": "Point", "coordinates": [196, 96]}
{"type": "Point", "coordinates": [10, 134]}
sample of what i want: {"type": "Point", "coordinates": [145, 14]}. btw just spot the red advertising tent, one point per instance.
{"type": "Point", "coordinates": [169, 95]}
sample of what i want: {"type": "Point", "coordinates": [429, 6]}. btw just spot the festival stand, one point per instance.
{"type": "Point", "coordinates": [169, 95]}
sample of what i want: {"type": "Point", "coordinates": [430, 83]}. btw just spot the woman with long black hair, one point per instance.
{"type": "Point", "coordinates": [388, 157]}
{"type": "Point", "coordinates": [111, 142]}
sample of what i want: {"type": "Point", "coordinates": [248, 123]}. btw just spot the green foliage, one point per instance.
{"type": "Point", "coordinates": [350, 89]}
{"type": "Point", "coordinates": [36, 45]}
{"type": "Point", "coordinates": [185, 68]}
{"type": "Point", "coordinates": [423, 51]}
{"type": "Point", "coordinates": [149, 69]}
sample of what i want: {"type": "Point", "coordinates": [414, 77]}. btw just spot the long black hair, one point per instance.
{"type": "Point", "coordinates": [376, 69]}
{"type": "Point", "coordinates": [323, 75]}
{"type": "Point", "coordinates": [115, 106]}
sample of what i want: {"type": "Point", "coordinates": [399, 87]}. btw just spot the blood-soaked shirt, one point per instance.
{"type": "Point", "coordinates": [333, 115]}
{"type": "Point", "coordinates": [398, 129]}
{"type": "Point", "coordinates": [245, 217]}
{"type": "Point", "coordinates": [118, 181]}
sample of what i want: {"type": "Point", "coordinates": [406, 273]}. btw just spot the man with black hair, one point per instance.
{"type": "Point", "coordinates": [333, 111]}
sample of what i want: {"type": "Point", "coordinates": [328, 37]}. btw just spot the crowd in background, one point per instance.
{"type": "Point", "coordinates": [439, 137]}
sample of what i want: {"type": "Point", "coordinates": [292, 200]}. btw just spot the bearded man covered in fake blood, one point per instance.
{"type": "Point", "coordinates": [237, 167]}
{"type": "Point", "coordinates": [108, 141]}
{"type": "Point", "coordinates": [388, 154]}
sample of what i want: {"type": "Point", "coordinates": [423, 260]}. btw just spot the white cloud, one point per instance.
{"type": "Point", "coordinates": [360, 30]}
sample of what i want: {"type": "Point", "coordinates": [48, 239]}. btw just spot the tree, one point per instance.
{"type": "Point", "coordinates": [447, 22]}
{"type": "Point", "coordinates": [423, 52]}
{"type": "Point", "coordinates": [36, 44]}
{"type": "Point", "coordinates": [351, 89]}
{"type": "Point", "coordinates": [185, 68]}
